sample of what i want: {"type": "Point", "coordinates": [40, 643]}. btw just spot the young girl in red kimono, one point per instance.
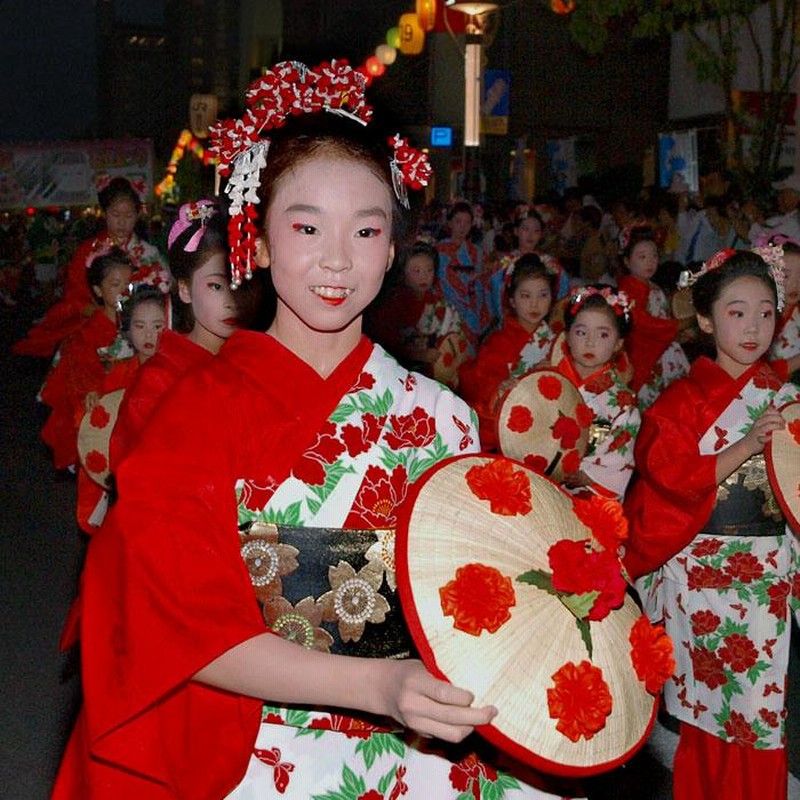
{"type": "Point", "coordinates": [250, 552]}
{"type": "Point", "coordinates": [78, 368]}
{"type": "Point", "coordinates": [121, 206]}
{"type": "Point", "coordinates": [786, 344]}
{"type": "Point", "coordinates": [523, 341]}
{"type": "Point", "coordinates": [206, 310]}
{"type": "Point", "coordinates": [652, 346]}
{"type": "Point", "coordinates": [143, 320]}
{"type": "Point", "coordinates": [705, 525]}
{"type": "Point", "coordinates": [597, 320]}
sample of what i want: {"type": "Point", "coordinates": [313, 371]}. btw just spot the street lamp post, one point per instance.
{"type": "Point", "coordinates": [473, 73]}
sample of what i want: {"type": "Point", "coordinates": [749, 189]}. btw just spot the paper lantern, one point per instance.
{"type": "Point", "coordinates": [562, 6]}
{"type": "Point", "coordinates": [202, 113]}
{"type": "Point", "coordinates": [412, 37]}
{"type": "Point", "coordinates": [375, 67]}
{"type": "Point", "coordinates": [426, 14]}
{"type": "Point", "coordinates": [386, 54]}
{"type": "Point", "coordinates": [393, 37]}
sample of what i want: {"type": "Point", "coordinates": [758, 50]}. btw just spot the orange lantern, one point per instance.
{"type": "Point", "coordinates": [412, 37]}
{"type": "Point", "coordinates": [202, 113]}
{"type": "Point", "coordinates": [374, 66]}
{"type": "Point", "coordinates": [562, 6]}
{"type": "Point", "coordinates": [426, 14]}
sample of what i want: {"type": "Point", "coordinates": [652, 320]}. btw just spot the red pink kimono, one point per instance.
{"type": "Point", "coordinates": [188, 565]}
{"type": "Point", "coordinates": [506, 354]}
{"type": "Point", "coordinates": [786, 344]}
{"type": "Point", "coordinates": [608, 462]}
{"type": "Point", "coordinates": [721, 570]}
{"type": "Point", "coordinates": [77, 301]}
{"type": "Point", "coordinates": [77, 370]}
{"type": "Point", "coordinates": [657, 357]}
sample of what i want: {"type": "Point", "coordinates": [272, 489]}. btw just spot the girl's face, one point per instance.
{"type": "Point", "coordinates": [121, 217]}
{"type": "Point", "coordinates": [147, 321]}
{"type": "Point", "coordinates": [214, 307]}
{"type": "Point", "coordinates": [791, 285]}
{"type": "Point", "coordinates": [742, 323]}
{"type": "Point", "coordinates": [529, 234]}
{"type": "Point", "coordinates": [460, 225]}
{"type": "Point", "coordinates": [643, 260]}
{"type": "Point", "coordinates": [531, 302]}
{"type": "Point", "coordinates": [419, 271]}
{"type": "Point", "coordinates": [593, 340]}
{"type": "Point", "coordinates": [114, 284]}
{"type": "Point", "coordinates": [328, 243]}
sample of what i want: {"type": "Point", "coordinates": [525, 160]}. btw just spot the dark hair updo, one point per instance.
{"type": "Point", "coordinates": [118, 187]}
{"type": "Point", "coordinates": [595, 301]}
{"type": "Point", "coordinates": [741, 264]}
{"type": "Point", "coordinates": [103, 263]}
{"type": "Point", "coordinates": [638, 234]}
{"type": "Point", "coordinates": [530, 266]}
{"type": "Point", "coordinates": [140, 294]}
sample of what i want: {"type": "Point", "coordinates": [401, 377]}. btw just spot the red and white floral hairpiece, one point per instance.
{"type": "Point", "coordinates": [291, 89]}
{"type": "Point", "coordinates": [618, 301]}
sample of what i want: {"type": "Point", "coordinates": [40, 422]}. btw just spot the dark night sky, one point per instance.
{"type": "Point", "coordinates": [48, 64]}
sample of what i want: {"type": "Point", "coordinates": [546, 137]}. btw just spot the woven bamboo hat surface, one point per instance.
{"type": "Point", "coordinates": [94, 436]}
{"type": "Point", "coordinates": [782, 455]}
{"type": "Point", "coordinates": [447, 526]}
{"type": "Point", "coordinates": [533, 423]}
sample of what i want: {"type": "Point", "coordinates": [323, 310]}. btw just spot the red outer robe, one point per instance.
{"type": "Point", "coordinates": [79, 372]}
{"type": "Point", "coordinates": [650, 336]}
{"type": "Point", "coordinates": [674, 490]}
{"type": "Point", "coordinates": [479, 380]}
{"type": "Point", "coordinates": [176, 355]}
{"type": "Point", "coordinates": [147, 730]}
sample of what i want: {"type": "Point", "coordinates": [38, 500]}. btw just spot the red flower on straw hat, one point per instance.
{"type": "Point", "coordinates": [651, 654]}
{"type": "Point", "coordinates": [550, 387]}
{"type": "Point", "coordinates": [507, 489]}
{"type": "Point", "coordinates": [579, 700]}
{"type": "Point", "coordinates": [479, 598]}
{"type": "Point", "coordinates": [794, 430]}
{"type": "Point", "coordinates": [520, 420]}
{"type": "Point", "coordinates": [571, 462]}
{"type": "Point", "coordinates": [96, 462]}
{"type": "Point", "coordinates": [567, 430]}
{"type": "Point", "coordinates": [99, 417]}
{"type": "Point", "coordinates": [605, 518]}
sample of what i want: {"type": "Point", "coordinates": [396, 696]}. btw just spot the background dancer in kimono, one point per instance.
{"type": "Point", "coordinates": [597, 320]}
{"type": "Point", "coordinates": [787, 334]}
{"type": "Point", "coordinates": [705, 524]}
{"type": "Point", "coordinates": [227, 572]}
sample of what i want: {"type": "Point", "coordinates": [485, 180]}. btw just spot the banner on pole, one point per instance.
{"type": "Point", "coordinates": [677, 161]}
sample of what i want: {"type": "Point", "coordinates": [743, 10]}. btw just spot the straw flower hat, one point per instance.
{"type": "Point", "coordinates": [94, 436]}
{"type": "Point", "coordinates": [782, 456]}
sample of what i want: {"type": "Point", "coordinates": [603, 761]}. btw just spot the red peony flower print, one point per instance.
{"type": "Point", "coordinates": [794, 430]}
{"type": "Point", "coordinates": [600, 383]}
{"type": "Point", "coordinates": [739, 730]}
{"type": "Point", "coordinates": [325, 450]}
{"type": "Point", "coordinates": [739, 652]}
{"type": "Point", "coordinates": [549, 387]}
{"type": "Point", "coordinates": [96, 462]}
{"type": "Point", "coordinates": [536, 463]}
{"type": "Point", "coordinates": [365, 381]}
{"type": "Point", "coordinates": [567, 431]}
{"type": "Point", "coordinates": [584, 415]}
{"type": "Point", "coordinates": [769, 717]}
{"type": "Point", "coordinates": [465, 776]}
{"type": "Point", "coordinates": [765, 378]}
{"type": "Point", "coordinates": [706, 547]}
{"type": "Point", "coordinates": [372, 794]}
{"type": "Point", "coordinates": [358, 439]}
{"type": "Point", "coordinates": [579, 700]}
{"type": "Point", "coordinates": [416, 429]}
{"type": "Point", "coordinates": [478, 599]}
{"type": "Point", "coordinates": [520, 420]}
{"type": "Point", "coordinates": [704, 622]}
{"type": "Point", "coordinates": [707, 667]}
{"type": "Point", "coordinates": [744, 567]}
{"type": "Point", "coordinates": [708, 578]}
{"type": "Point", "coordinates": [651, 654]}
{"type": "Point", "coordinates": [99, 417]}
{"type": "Point", "coordinates": [571, 462]}
{"type": "Point", "coordinates": [604, 518]}
{"type": "Point", "coordinates": [507, 489]}
{"type": "Point", "coordinates": [626, 399]}
{"type": "Point", "coordinates": [578, 569]}
{"type": "Point", "coordinates": [378, 498]}
{"type": "Point", "coordinates": [620, 440]}
{"type": "Point", "coordinates": [255, 496]}
{"type": "Point", "coordinates": [352, 727]}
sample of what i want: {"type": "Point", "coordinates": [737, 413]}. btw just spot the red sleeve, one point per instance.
{"type": "Point", "coordinates": [76, 285]}
{"type": "Point", "coordinates": [675, 487]}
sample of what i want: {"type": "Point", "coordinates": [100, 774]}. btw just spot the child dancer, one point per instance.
{"type": "Point", "coordinates": [523, 341]}
{"type": "Point", "coordinates": [597, 320]}
{"type": "Point", "coordinates": [787, 335]}
{"type": "Point", "coordinates": [653, 348]}
{"type": "Point", "coordinates": [705, 524]}
{"type": "Point", "coordinates": [304, 433]}
{"type": "Point", "coordinates": [78, 368]}
{"type": "Point", "coordinates": [414, 322]}
{"type": "Point", "coordinates": [204, 303]}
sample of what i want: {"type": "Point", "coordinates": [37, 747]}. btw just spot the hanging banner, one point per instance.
{"type": "Point", "coordinates": [39, 175]}
{"type": "Point", "coordinates": [563, 163]}
{"type": "Point", "coordinates": [495, 101]}
{"type": "Point", "coordinates": [678, 170]}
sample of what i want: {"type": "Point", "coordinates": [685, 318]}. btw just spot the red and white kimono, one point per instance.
{"type": "Point", "coordinates": [256, 437]}
{"type": "Point", "coordinates": [609, 460]}
{"type": "Point", "coordinates": [506, 354]}
{"type": "Point", "coordinates": [786, 344]}
{"type": "Point", "coordinates": [657, 357]}
{"type": "Point", "coordinates": [722, 569]}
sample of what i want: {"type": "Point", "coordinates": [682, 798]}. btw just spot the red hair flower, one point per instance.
{"type": "Point", "coordinates": [479, 598]}
{"type": "Point", "coordinates": [579, 700]}
{"type": "Point", "coordinates": [507, 489]}
{"type": "Point", "coordinates": [651, 654]}
{"type": "Point", "coordinates": [520, 420]}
